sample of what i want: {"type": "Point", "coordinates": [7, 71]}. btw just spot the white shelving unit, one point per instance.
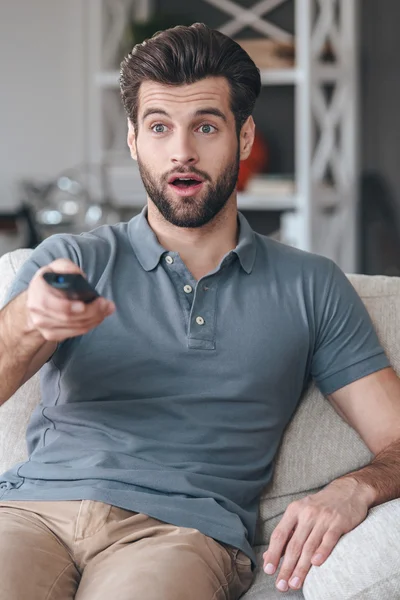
{"type": "Point", "coordinates": [317, 218]}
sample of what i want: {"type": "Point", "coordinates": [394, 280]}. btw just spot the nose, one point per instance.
{"type": "Point", "coordinates": [183, 151]}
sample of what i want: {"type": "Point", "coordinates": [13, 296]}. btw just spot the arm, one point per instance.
{"type": "Point", "coordinates": [23, 350]}
{"type": "Point", "coordinates": [350, 368]}
{"type": "Point", "coordinates": [371, 406]}
{"type": "Point", "coordinates": [33, 323]}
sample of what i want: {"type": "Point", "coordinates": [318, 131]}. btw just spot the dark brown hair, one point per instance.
{"type": "Point", "coordinates": [183, 55]}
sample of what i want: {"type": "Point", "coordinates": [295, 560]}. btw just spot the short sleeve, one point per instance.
{"type": "Point", "coordinates": [347, 347]}
{"type": "Point", "coordinates": [51, 249]}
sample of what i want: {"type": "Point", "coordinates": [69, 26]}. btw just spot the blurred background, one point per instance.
{"type": "Point", "coordinates": [323, 175]}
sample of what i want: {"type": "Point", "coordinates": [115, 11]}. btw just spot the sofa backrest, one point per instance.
{"type": "Point", "coordinates": [317, 445]}
{"type": "Point", "coordinates": [16, 412]}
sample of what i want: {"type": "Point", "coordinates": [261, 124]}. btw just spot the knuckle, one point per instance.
{"type": "Point", "coordinates": [327, 511]}
{"type": "Point", "coordinates": [36, 318]}
{"type": "Point", "coordinates": [306, 501]}
{"type": "Point", "coordinates": [61, 306]}
{"type": "Point", "coordinates": [334, 532]}
{"type": "Point", "coordinates": [31, 309]}
{"type": "Point", "coordinates": [277, 535]}
{"type": "Point", "coordinates": [309, 549]}
{"type": "Point", "coordinates": [294, 548]}
{"type": "Point", "coordinates": [50, 335]}
{"type": "Point", "coordinates": [292, 507]}
{"type": "Point", "coordinates": [301, 572]}
{"type": "Point", "coordinates": [64, 316]}
{"type": "Point", "coordinates": [309, 513]}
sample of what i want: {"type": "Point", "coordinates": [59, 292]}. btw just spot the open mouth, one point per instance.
{"type": "Point", "coordinates": [184, 183]}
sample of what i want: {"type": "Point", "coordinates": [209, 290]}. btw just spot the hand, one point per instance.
{"type": "Point", "coordinates": [54, 316]}
{"type": "Point", "coordinates": [311, 527]}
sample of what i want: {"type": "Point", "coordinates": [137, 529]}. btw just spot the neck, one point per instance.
{"type": "Point", "coordinates": [202, 248]}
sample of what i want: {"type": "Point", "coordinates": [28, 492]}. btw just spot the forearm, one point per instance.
{"type": "Point", "coordinates": [19, 343]}
{"type": "Point", "coordinates": [380, 480]}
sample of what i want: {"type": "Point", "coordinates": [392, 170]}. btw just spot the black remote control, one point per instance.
{"type": "Point", "coordinates": [73, 285]}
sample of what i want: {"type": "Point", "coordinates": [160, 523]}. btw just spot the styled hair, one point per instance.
{"type": "Point", "coordinates": [187, 54]}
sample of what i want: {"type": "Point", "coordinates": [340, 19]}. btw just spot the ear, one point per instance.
{"type": "Point", "coordinates": [131, 140]}
{"type": "Point", "coordinates": [247, 134]}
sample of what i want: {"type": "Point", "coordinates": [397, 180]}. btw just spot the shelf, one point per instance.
{"type": "Point", "coordinates": [280, 76]}
{"type": "Point", "coordinates": [109, 79]}
{"type": "Point", "coordinates": [266, 202]}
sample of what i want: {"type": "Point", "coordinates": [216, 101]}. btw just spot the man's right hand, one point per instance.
{"type": "Point", "coordinates": [56, 317]}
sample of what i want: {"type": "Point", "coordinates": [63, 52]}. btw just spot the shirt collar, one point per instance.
{"type": "Point", "coordinates": [246, 247]}
{"type": "Point", "coordinates": [149, 251]}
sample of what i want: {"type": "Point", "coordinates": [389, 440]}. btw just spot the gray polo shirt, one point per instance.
{"type": "Point", "coordinates": [175, 405]}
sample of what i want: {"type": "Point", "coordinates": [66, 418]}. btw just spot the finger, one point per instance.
{"type": "Point", "coordinates": [54, 302]}
{"type": "Point", "coordinates": [330, 539]}
{"type": "Point", "coordinates": [299, 572]}
{"type": "Point", "coordinates": [278, 541]}
{"type": "Point", "coordinates": [55, 305]}
{"type": "Point", "coordinates": [293, 552]}
{"type": "Point", "coordinates": [47, 320]}
{"type": "Point", "coordinates": [60, 334]}
{"type": "Point", "coordinates": [288, 540]}
{"type": "Point", "coordinates": [320, 542]}
{"type": "Point", "coordinates": [50, 318]}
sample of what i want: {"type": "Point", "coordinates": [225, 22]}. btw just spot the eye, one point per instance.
{"type": "Point", "coordinates": [158, 128]}
{"type": "Point", "coordinates": [207, 128]}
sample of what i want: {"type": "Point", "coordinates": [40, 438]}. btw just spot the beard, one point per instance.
{"type": "Point", "coordinates": [191, 211]}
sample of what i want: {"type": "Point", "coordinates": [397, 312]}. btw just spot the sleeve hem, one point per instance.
{"type": "Point", "coordinates": [360, 369]}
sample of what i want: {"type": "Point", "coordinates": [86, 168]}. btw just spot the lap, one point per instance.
{"type": "Point", "coordinates": [184, 566]}
{"type": "Point", "coordinates": [100, 554]}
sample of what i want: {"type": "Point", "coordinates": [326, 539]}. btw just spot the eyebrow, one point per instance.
{"type": "Point", "coordinates": [199, 113]}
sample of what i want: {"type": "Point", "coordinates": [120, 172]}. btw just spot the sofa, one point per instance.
{"type": "Point", "coordinates": [317, 447]}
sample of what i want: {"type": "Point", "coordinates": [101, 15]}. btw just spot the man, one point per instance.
{"type": "Point", "coordinates": [164, 402]}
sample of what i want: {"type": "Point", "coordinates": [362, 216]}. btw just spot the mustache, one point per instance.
{"type": "Point", "coordinates": [190, 170]}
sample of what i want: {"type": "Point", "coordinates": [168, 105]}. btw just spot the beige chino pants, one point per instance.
{"type": "Point", "coordinates": [90, 550]}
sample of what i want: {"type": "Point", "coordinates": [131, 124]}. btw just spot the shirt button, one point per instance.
{"type": "Point", "coordinates": [199, 320]}
{"type": "Point", "coordinates": [188, 289]}
{"type": "Point", "coordinates": [169, 260]}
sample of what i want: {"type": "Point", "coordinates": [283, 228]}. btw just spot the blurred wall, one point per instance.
{"type": "Point", "coordinates": [42, 87]}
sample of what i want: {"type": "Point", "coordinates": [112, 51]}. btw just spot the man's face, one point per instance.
{"type": "Point", "coordinates": [187, 132]}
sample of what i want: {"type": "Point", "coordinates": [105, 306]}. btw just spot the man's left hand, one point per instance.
{"type": "Point", "coordinates": [311, 527]}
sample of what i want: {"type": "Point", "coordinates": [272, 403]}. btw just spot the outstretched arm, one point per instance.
{"type": "Point", "coordinates": [312, 526]}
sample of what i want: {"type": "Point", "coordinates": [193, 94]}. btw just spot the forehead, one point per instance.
{"type": "Point", "coordinates": [181, 99]}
